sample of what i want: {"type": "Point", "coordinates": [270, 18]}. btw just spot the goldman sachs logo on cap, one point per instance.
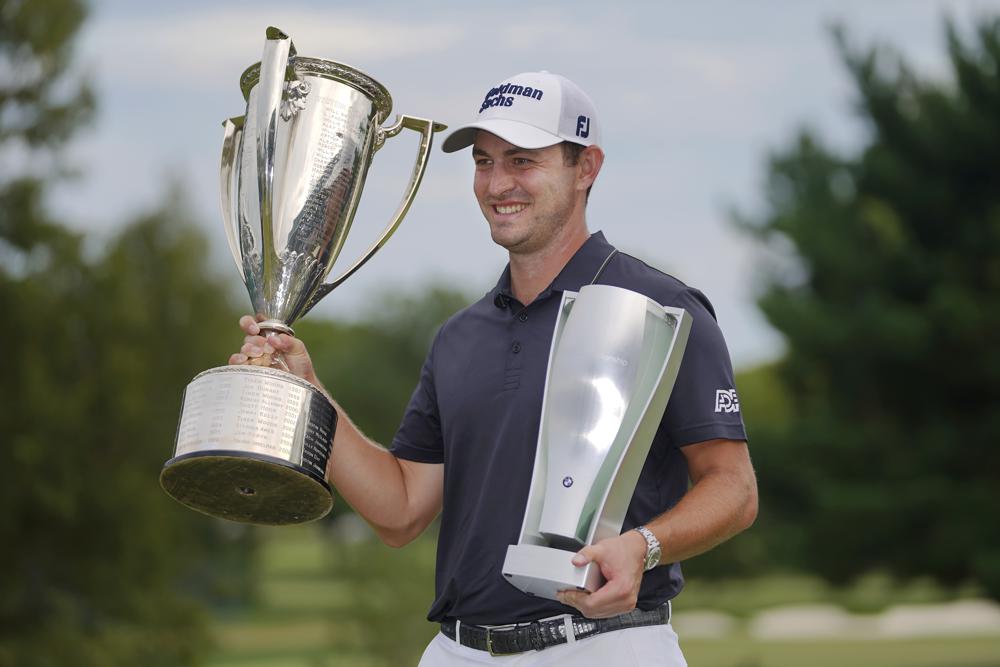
{"type": "Point", "coordinates": [503, 96]}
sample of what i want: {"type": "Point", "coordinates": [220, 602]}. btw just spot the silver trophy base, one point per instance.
{"type": "Point", "coordinates": [252, 446]}
{"type": "Point", "coordinates": [244, 487]}
{"type": "Point", "coordinates": [544, 571]}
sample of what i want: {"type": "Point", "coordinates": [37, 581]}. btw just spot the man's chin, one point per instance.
{"type": "Point", "coordinates": [503, 237]}
{"type": "Point", "coordinates": [508, 239]}
{"type": "Point", "coordinates": [505, 244]}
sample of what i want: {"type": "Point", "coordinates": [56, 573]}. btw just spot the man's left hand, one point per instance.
{"type": "Point", "coordinates": [620, 559]}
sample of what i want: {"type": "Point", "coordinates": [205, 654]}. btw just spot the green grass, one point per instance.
{"type": "Point", "coordinates": [743, 652]}
{"type": "Point", "coordinates": [324, 603]}
{"type": "Point", "coordinates": [868, 595]}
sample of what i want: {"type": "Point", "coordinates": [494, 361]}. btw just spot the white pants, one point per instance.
{"type": "Point", "coordinates": [649, 645]}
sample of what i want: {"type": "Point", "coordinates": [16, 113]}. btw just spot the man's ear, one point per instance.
{"type": "Point", "coordinates": [589, 166]}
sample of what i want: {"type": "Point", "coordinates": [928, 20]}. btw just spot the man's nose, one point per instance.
{"type": "Point", "coordinates": [501, 181]}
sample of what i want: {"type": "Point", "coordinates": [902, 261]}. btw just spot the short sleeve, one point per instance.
{"type": "Point", "coordinates": [419, 435]}
{"type": "Point", "coordinates": [703, 404]}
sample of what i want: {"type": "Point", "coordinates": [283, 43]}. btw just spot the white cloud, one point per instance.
{"type": "Point", "coordinates": [693, 95]}
{"type": "Point", "coordinates": [200, 48]}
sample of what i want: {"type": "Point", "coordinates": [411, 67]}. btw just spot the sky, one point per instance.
{"type": "Point", "coordinates": [694, 97]}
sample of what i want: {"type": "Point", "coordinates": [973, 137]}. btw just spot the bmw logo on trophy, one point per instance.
{"type": "Point", "coordinates": [613, 363]}
{"type": "Point", "coordinates": [252, 443]}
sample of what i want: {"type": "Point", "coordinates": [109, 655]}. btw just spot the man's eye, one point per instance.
{"type": "Point", "coordinates": [483, 162]}
{"type": "Point", "coordinates": [521, 161]}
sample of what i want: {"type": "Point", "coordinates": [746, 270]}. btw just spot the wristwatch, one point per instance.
{"type": "Point", "coordinates": [653, 551]}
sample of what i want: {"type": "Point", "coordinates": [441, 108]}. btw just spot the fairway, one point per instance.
{"type": "Point", "coordinates": [736, 652]}
{"type": "Point", "coordinates": [323, 603]}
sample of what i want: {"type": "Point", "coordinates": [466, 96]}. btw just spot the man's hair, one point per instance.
{"type": "Point", "coordinates": [571, 157]}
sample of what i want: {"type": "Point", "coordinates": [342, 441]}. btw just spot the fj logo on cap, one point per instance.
{"type": "Point", "coordinates": [503, 96]}
{"type": "Point", "coordinates": [582, 127]}
{"type": "Point", "coordinates": [726, 400]}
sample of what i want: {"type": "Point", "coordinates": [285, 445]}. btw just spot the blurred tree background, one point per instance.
{"type": "Point", "coordinates": [883, 454]}
{"type": "Point", "coordinates": [97, 568]}
{"type": "Point", "coordinates": [872, 436]}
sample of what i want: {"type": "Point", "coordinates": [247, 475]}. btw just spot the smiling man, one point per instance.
{"type": "Point", "coordinates": [466, 444]}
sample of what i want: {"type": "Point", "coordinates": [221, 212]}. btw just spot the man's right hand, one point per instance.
{"type": "Point", "coordinates": [399, 498]}
{"type": "Point", "coordinates": [258, 350]}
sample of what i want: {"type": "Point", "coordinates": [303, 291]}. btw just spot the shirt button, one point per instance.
{"type": "Point", "coordinates": [516, 347]}
{"type": "Point", "coordinates": [523, 316]}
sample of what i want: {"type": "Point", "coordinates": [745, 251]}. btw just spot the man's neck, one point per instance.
{"type": "Point", "coordinates": [531, 273]}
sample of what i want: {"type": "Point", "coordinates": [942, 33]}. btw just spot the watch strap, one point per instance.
{"type": "Point", "coordinates": [653, 548]}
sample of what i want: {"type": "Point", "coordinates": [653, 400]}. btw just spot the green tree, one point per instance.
{"type": "Point", "coordinates": [767, 409]}
{"type": "Point", "coordinates": [889, 459]}
{"type": "Point", "coordinates": [101, 567]}
{"type": "Point", "coordinates": [41, 105]}
{"type": "Point", "coordinates": [98, 566]}
{"type": "Point", "coordinates": [371, 366]}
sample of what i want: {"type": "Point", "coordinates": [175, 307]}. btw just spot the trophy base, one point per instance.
{"type": "Point", "coordinates": [249, 488]}
{"type": "Point", "coordinates": [544, 571]}
{"type": "Point", "coordinates": [252, 446]}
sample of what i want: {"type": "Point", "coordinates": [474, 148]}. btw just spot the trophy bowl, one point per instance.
{"type": "Point", "coordinates": [253, 443]}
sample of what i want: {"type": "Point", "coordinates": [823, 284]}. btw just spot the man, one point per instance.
{"type": "Point", "coordinates": [467, 441]}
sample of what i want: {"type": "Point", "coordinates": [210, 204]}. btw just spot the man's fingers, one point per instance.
{"type": "Point", "coordinates": [287, 344]}
{"type": "Point", "coordinates": [254, 350]}
{"type": "Point", "coordinates": [576, 599]}
{"type": "Point", "coordinates": [282, 342]}
{"type": "Point", "coordinates": [614, 597]}
{"type": "Point", "coordinates": [265, 347]}
{"type": "Point", "coordinates": [593, 605]}
{"type": "Point", "coordinates": [602, 603]}
{"type": "Point", "coordinates": [261, 344]}
{"type": "Point", "coordinates": [255, 355]}
{"type": "Point", "coordinates": [584, 555]}
{"type": "Point", "coordinates": [249, 325]}
{"type": "Point", "coordinates": [609, 596]}
{"type": "Point", "coordinates": [259, 349]}
{"type": "Point", "coordinates": [262, 360]}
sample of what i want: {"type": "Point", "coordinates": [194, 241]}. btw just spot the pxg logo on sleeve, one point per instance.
{"type": "Point", "coordinates": [726, 400]}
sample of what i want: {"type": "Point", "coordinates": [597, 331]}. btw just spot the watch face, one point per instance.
{"type": "Point", "coordinates": [653, 558]}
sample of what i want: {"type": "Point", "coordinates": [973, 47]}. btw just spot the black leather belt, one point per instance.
{"type": "Point", "coordinates": [538, 635]}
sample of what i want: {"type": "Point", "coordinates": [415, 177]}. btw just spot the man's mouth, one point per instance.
{"type": "Point", "coordinates": [509, 209]}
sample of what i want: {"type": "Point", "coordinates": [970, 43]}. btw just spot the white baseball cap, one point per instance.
{"type": "Point", "coordinates": [532, 110]}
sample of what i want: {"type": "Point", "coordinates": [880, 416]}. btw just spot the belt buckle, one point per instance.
{"type": "Point", "coordinates": [489, 642]}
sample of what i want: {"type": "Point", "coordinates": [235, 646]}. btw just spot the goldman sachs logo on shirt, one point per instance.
{"type": "Point", "coordinates": [504, 95]}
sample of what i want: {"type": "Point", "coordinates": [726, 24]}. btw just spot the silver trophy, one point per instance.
{"type": "Point", "coordinates": [614, 359]}
{"type": "Point", "coordinates": [253, 443]}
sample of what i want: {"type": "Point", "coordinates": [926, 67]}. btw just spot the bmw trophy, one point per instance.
{"type": "Point", "coordinates": [253, 442]}
{"type": "Point", "coordinates": [613, 363]}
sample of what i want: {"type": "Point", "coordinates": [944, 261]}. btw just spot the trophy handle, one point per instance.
{"type": "Point", "coordinates": [426, 128]}
{"type": "Point", "coordinates": [232, 137]}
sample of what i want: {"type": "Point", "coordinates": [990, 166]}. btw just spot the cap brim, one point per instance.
{"type": "Point", "coordinates": [515, 132]}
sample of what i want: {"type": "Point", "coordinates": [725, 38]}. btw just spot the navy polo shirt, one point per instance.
{"type": "Point", "coordinates": [477, 409]}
